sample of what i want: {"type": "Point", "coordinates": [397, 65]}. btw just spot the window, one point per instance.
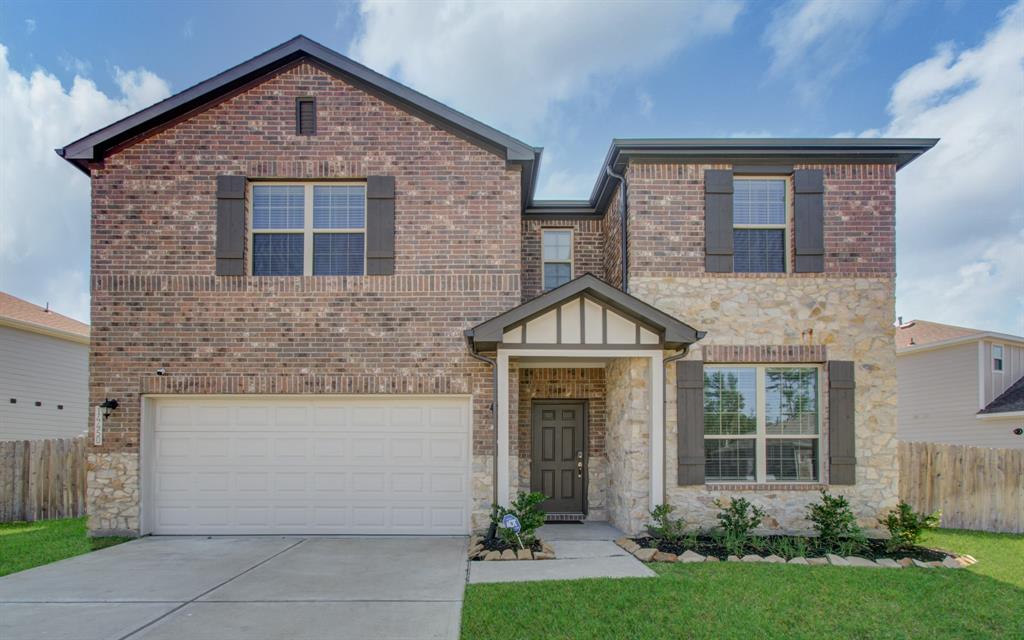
{"type": "Point", "coordinates": [308, 229]}
{"type": "Point", "coordinates": [305, 116]}
{"type": "Point", "coordinates": [997, 357]}
{"type": "Point", "coordinates": [761, 424]}
{"type": "Point", "coordinates": [557, 250]}
{"type": "Point", "coordinates": [760, 211]}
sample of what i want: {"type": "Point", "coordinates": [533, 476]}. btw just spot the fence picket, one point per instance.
{"type": "Point", "coordinates": [41, 479]}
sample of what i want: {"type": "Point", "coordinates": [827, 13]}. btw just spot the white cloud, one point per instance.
{"type": "Point", "coordinates": [645, 103]}
{"type": "Point", "coordinates": [44, 202]}
{"type": "Point", "coordinates": [815, 41]}
{"type": "Point", "coordinates": [960, 207]}
{"type": "Point", "coordinates": [30, 26]}
{"type": "Point", "coordinates": [508, 63]}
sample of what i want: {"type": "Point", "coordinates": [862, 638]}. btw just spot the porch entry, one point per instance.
{"type": "Point", "coordinates": [558, 468]}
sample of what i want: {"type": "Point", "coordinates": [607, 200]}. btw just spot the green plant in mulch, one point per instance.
{"type": "Point", "coordinates": [838, 531]}
{"type": "Point", "coordinates": [737, 520]}
{"type": "Point", "coordinates": [666, 528]}
{"type": "Point", "coordinates": [906, 526]}
{"type": "Point", "coordinates": [526, 508]}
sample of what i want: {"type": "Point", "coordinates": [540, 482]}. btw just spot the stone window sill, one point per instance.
{"type": "Point", "coordinates": [768, 486]}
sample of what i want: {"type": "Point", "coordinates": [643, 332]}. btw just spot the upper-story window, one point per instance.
{"type": "Point", "coordinates": [557, 250]}
{"type": "Point", "coordinates": [308, 229]}
{"type": "Point", "coordinates": [761, 424]}
{"type": "Point", "coordinates": [760, 214]}
{"type": "Point", "coordinates": [997, 357]}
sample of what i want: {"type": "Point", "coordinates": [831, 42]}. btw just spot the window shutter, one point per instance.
{"type": "Point", "coordinates": [718, 221]}
{"type": "Point", "coordinates": [380, 225]}
{"type": "Point", "coordinates": [230, 225]}
{"type": "Point", "coordinates": [809, 213]}
{"type": "Point", "coordinates": [305, 116]}
{"type": "Point", "coordinates": [842, 456]}
{"type": "Point", "coordinates": [690, 421]}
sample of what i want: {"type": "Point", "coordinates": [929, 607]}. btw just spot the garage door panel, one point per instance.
{"type": "Point", "coordinates": [287, 465]}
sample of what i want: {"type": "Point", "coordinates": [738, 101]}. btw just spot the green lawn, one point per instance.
{"type": "Point", "coordinates": [24, 545]}
{"type": "Point", "coordinates": [771, 601]}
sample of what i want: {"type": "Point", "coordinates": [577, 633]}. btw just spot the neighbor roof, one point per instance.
{"type": "Point", "coordinates": [917, 333]}
{"type": "Point", "coordinates": [1011, 400]}
{"type": "Point", "coordinates": [22, 314]}
{"type": "Point", "coordinates": [94, 147]}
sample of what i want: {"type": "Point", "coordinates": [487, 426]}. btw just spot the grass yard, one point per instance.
{"type": "Point", "coordinates": [771, 601]}
{"type": "Point", "coordinates": [24, 545]}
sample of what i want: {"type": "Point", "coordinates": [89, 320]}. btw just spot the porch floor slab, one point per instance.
{"type": "Point", "coordinates": [578, 531]}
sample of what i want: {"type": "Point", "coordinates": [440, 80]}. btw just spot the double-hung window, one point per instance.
{"type": "Point", "coordinates": [760, 211]}
{"type": "Point", "coordinates": [761, 424]}
{"type": "Point", "coordinates": [997, 357]}
{"type": "Point", "coordinates": [308, 229]}
{"type": "Point", "coordinates": [556, 246]}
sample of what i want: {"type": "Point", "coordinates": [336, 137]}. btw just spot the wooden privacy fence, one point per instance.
{"type": "Point", "coordinates": [42, 479]}
{"type": "Point", "coordinates": [975, 488]}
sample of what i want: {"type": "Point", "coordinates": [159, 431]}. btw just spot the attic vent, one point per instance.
{"type": "Point", "coordinates": [305, 116]}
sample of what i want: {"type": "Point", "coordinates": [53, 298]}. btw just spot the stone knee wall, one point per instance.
{"type": "Point", "coordinates": [825, 317]}
{"type": "Point", "coordinates": [483, 492]}
{"type": "Point", "coordinates": [628, 443]}
{"type": "Point", "coordinates": [112, 499]}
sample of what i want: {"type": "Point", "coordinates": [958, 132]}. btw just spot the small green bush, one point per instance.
{"type": "Point", "coordinates": [665, 527]}
{"type": "Point", "coordinates": [531, 517]}
{"type": "Point", "coordinates": [788, 547]}
{"type": "Point", "coordinates": [906, 526]}
{"type": "Point", "coordinates": [838, 531]}
{"type": "Point", "coordinates": [737, 520]}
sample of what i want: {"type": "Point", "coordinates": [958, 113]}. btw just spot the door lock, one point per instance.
{"type": "Point", "coordinates": [579, 469]}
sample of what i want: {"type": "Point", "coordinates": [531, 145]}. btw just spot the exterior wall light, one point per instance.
{"type": "Point", "coordinates": [108, 407]}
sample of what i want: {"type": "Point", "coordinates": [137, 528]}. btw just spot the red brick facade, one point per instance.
{"type": "Point", "coordinates": [157, 303]}
{"type": "Point", "coordinates": [588, 239]}
{"type": "Point", "coordinates": [558, 384]}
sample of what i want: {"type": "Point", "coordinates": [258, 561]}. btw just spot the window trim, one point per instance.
{"type": "Point", "coordinates": [761, 436]}
{"type": "Point", "coordinates": [572, 254]}
{"type": "Point", "coordinates": [307, 229]}
{"type": "Point", "coordinates": [1002, 358]}
{"type": "Point", "coordinates": [787, 227]}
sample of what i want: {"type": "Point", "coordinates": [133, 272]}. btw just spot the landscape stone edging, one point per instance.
{"type": "Point", "coordinates": [478, 552]}
{"type": "Point", "coordinates": [647, 554]}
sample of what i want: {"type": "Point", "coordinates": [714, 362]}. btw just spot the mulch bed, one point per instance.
{"type": "Point", "coordinates": [497, 544]}
{"type": "Point", "coordinates": [767, 545]}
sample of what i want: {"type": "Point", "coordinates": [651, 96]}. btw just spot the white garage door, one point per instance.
{"type": "Point", "coordinates": [271, 464]}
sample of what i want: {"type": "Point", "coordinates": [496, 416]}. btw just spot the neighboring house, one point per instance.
{"type": "Point", "coordinates": [44, 372]}
{"type": "Point", "coordinates": [959, 385]}
{"type": "Point", "coordinates": [310, 283]}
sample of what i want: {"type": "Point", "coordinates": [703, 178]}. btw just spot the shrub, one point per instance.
{"type": "Point", "coordinates": [531, 517]}
{"type": "Point", "coordinates": [737, 520]}
{"type": "Point", "coordinates": [665, 527]}
{"type": "Point", "coordinates": [836, 525]}
{"type": "Point", "coordinates": [906, 526]}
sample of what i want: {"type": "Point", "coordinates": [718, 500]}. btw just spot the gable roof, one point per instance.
{"type": "Point", "coordinates": [1011, 400]}
{"type": "Point", "coordinates": [676, 333]}
{"type": "Point", "coordinates": [93, 147]}
{"type": "Point", "coordinates": [918, 334]}
{"type": "Point", "coordinates": [22, 314]}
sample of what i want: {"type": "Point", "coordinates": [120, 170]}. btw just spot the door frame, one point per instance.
{"type": "Point", "coordinates": [584, 404]}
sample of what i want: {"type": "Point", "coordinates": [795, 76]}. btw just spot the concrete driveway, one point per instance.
{"type": "Point", "coordinates": [245, 588]}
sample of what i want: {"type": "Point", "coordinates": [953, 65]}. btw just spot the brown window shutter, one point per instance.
{"type": "Point", "coordinates": [230, 225]}
{"type": "Point", "coordinates": [380, 225]}
{"type": "Point", "coordinates": [841, 437]}
{"type": "Point", "coordinates": [690, 421]}
{"type": "Point", "coordinates": [809, 214]}
{"type": "Point", "coordinates": [718, 220]}
{"type": "Point", "coordinates": [305, 116]}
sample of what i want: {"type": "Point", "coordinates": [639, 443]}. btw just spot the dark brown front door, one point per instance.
{"type": "Point", "coordinates": [558, 467]}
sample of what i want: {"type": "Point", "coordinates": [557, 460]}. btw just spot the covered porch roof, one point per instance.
{"type": "Point", "coordinates": [584, 313]}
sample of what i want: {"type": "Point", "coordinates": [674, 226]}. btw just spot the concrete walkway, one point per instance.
{"type": "Point", "coordinates": [250, 588]}
{"type": "Point", "coordinates": [581, 550]}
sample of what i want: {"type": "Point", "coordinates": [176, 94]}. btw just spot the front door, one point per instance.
{"type": "Point", "coordinates": [559, 461]}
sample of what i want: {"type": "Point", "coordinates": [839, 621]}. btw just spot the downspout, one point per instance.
{"type": "Point", "coordinates": [471, 347]}
{"type": "Point", "coordinates": [623, 245]}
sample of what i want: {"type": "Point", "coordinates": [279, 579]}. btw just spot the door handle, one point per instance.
{"type": "Point", "coordinates": [579, 469]}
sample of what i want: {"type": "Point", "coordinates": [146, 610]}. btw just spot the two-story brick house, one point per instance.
{"type": "Point", "coordinates": [326, 303]}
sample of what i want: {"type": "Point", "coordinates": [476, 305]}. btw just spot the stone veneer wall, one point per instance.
{"type": "Point", "coordinates": [113, 493]}
{"type": "Point", "coordinates": [628, 383]}
{"type": "Point", "coordinates": [851, 317]}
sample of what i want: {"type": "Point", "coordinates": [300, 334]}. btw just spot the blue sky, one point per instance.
{"type": "Point", "coordinates": [570, 77]}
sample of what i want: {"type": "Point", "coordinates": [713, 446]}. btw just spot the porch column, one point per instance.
{"type": "Point", "coordinates": [657, 434]}
{"type": "Point", "coordinates": [501, 408]}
